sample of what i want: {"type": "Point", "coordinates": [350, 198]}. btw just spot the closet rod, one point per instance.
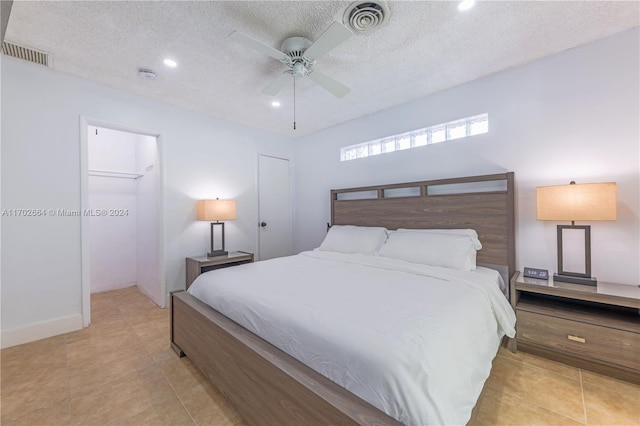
{"type": "Point", "coordinates": [114, 174]}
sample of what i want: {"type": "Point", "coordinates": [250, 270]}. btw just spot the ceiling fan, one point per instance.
{"type": "Point", "coordinates": [299, 54]}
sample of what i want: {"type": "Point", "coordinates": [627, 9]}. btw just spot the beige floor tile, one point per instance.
{"type": "Point", "coordinates": [22, 398]}
{"type": "Point", "coordinates": [97, 348]}
{"type": "Point", "coordinates": [183, 376]}
{"type": "Point", "coordinates": [100, 300]}
{"type": "Point", "coordinates": [608, 382]}
{"type": "Point", "coordinates": [148, 316]}
{"type": "Point", "coordinates": [132, 299]}
{"type": "Point", "coordinates": [54, 415]}
{"type": "Point", "coordinates": [32, 365]}
{"type": "Point", "coordinates": [98, 329]}
{"type": "Point", "coordinates": [86, 376]}
{"type": "Point", "coordinates": [120, 400]}
{"type": "Point", "coordinates": [208, 407]}
{"type": "Point", "coordinates": [137, 303]}
{"type": "Point", "coordinates": [164, 356]}
{"type": "Point", "coordinates": [556, 367]}
{"type": "Point", "coordinates": [117, 363]}
{"type": "Point", "coordinates": [124, 294]}
{"type": "Point", "coordinates": [105, 313]}
{"type": "Point", "coordinates": [607, 405]}
{"type": "Point", "coordinates": [538, 387]}
{"type": "Point", "coordinates": [151, 330]}
{"type": "Point", "coordinates": [500, 408]}
{"type": "Point", "coordinates": [169, 413]}
{"type": "Point", "coordinates": [156, 344]}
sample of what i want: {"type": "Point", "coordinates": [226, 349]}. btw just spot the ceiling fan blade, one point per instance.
{"type": "Point", "coordinates": [332, 37]}
{"type": "Point", "coordinates": [277, 85]}
{"type": "Point", "coordinates": [257, 45]}
{"type": "Point", "coordinates": [334, 87]}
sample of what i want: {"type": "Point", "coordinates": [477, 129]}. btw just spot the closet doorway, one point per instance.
{"type": "Point", "coordinates": [121, 213]}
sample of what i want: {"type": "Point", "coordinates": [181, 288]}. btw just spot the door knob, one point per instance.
{"type": "Point", "coordinates": [263, 224]}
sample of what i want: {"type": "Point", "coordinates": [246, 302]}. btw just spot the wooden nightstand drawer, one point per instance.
{"type": "Point", "coordinates": [586, 340]}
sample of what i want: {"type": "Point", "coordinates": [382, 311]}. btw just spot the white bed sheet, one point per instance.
{"type": "Point", "coordinates": [413, 340]}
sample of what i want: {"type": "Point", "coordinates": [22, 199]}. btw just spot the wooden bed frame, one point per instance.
{"type": "Point", "coordinates": [268, 386]}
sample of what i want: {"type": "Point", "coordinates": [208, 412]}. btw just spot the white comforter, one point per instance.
{"type": "Point", "coordinates": [415, 341]}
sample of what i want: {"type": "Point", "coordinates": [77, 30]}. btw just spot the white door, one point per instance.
{"type": "Point", "coordinates": [274, 208]}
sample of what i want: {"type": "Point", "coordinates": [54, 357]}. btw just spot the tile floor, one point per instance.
{"type": "Point", "coordinates": [121, 371]}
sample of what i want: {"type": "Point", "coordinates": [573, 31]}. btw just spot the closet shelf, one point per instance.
{"type": "Point", "coordinates": [114, 174]}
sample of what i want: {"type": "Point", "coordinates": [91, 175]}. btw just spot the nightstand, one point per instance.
{"type": "Point", "coordinates": [595, 328]}
{"type": "Point", "coordinates": [199, 265]}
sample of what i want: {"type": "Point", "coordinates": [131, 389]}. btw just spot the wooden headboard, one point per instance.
{"type": "Point", "coordinates": [484, 203]}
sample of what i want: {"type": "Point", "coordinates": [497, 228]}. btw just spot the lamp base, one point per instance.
{"type": "Point", "coordinates": [217, 253]}
{"type": "Point", "coordinates": [575, 280]}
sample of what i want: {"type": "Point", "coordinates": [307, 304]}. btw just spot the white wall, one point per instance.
{"type": "Point", "coordinates": [113, 239]}
{"type": "Point", "coordinates": [201, 156]}
{"type": "Point", "coordinates": [572, 116]}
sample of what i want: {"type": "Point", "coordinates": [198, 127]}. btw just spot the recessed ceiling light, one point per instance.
{"type": "Point", "coordinates": [275, 104]}
{"type": "Point", "coordinates": [466, 4]}
{"type": "Point", "coordinates": [170, 63]}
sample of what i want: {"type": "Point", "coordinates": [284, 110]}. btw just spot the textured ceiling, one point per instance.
{"type": "Point", "coordinates": [424, 47]}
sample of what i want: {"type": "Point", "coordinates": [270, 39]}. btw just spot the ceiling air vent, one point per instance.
{"type": "Point", "coordinates": [362, 17]}
{"type": "Point", "coordinates": [26, 54]}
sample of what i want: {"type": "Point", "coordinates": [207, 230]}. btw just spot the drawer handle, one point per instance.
{"type": "Point", "coordinates": [576, 339]}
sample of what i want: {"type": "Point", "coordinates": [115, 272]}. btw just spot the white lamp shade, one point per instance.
{"type": "Point", "coordinates": [216, 210]}
{"type": "Point", "coordinates": [587, 201]}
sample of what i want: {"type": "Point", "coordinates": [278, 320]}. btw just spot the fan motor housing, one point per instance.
{"type": "Point", "coordinates": [295, 46]}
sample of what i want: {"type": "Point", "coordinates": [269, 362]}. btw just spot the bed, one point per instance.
{"type": "Point", "coordinates": [269, 386]}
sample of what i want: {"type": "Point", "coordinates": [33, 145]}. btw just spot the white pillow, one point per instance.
{"type": "Point", "coordinates": [448, 250]}
{"type": "Point", "coordinates": [354, 239]}
{"type": "Point", "coordinates": [470, 232]}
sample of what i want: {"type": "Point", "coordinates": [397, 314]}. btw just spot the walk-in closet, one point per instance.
{"type": "Point", "coordinates": [124, 187]}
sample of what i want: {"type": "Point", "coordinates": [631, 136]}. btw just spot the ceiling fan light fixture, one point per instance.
{"type": "Point", "coordinates": [362, 17]}
{"type": "Point", "coordinates": [300, 54]}
{"type": "Point", "coordinates": [170, 63]}
{"type": "Point", "coordinates": [299, 70]}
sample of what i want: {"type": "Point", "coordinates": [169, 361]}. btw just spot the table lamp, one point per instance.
{"type": "Point", "coordinates": [217, 210]}
{"type": "Point", "coordinates": [584, 202]}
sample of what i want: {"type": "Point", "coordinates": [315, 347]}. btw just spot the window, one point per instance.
{"type": "Point", "coordinates": [375, 148]}
{"type": "Point", "coordinates": [403, 142]}
{"type": "Point", "coordinates": [471, 126]}
{"type": "Point", "coordinates": [456, 130]}
{"type": "Point", "coordinates": [420, 139]}
{"type": "Point", "coordinates": [362, 151]}
{"type": "Point", "coordinates": [479, 126]}
{"type": "Point", "coordinates": [389, 145]}
{"type": "Point", "coordinates": [438, 135]}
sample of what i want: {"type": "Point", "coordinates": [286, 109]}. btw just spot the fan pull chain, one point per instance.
{"type": "Point", "coordinates": [294, 102]}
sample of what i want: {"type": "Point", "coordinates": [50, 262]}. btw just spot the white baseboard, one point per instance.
{"type": "Point", "coordinates": [41, 330]}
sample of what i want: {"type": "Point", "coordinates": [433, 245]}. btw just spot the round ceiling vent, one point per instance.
{"type": "Point", "coordinates": [362, 17]}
